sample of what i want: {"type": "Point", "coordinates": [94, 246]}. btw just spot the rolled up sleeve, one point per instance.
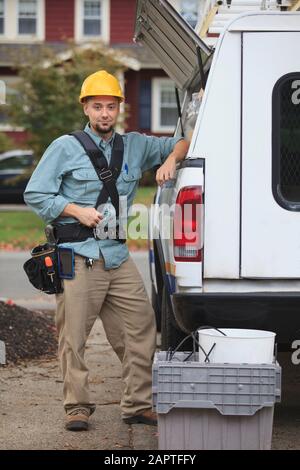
{"type": "Point", "coordinates": [42, 191]}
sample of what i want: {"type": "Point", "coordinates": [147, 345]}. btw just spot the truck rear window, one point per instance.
{"type": "Point", "coordinates": [286, 141]}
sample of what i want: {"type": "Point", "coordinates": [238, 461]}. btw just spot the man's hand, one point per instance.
{"type": "Point", "coordinates": [89, 216]}
{"type": "Point", "coordinates": [86, 215]}
{"type": "Point", "coordinates": [166, 171]}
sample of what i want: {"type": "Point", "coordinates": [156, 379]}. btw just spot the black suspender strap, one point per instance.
{"type": "Point", "coordinates": [108, 174]}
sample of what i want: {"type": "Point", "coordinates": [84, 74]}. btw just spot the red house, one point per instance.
{"type": "Point", "coordinates": [32, 23]}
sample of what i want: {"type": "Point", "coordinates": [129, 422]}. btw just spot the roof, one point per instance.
{"type": "Point", "coordinates": [130, 55]}
{"type": "Point", "coordinates": [10, 53]}
{"type": "Point", "coordinates": [145, 57]}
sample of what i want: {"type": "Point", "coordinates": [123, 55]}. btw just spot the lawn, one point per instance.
{"type": "Point", "coordinates": [24, 230]}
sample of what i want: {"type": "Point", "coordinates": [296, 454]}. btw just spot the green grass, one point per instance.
{"type": "Point", "coordinates": [145, 195]}
{"type": "Point", "coordinates": [24, 230]}
{"type": "Point", "coordinates": [20, 230]}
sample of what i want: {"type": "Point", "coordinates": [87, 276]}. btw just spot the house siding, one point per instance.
{"type": "Point", "coordinates": [19, 138]}
{"type": "Point", "coordinates": [122, 18]}
{"type": "Point", "coordinates": [60, 27]}
{"type": "Point", "coordinates": [133, 83]}
{"type": "Point", "coordinates": [59, 20]}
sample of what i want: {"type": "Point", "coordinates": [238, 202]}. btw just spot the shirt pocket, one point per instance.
{"type": "Point", "coordinates": [86, 184]}
{"type": "Point", "coordinates": [129, 180]}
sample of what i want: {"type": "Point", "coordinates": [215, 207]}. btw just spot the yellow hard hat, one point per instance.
{"type": "Point", "coordinates": [101, 83]}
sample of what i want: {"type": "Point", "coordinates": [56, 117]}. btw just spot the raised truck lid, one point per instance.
{"type": "Point", "coordinates": [172, 40]}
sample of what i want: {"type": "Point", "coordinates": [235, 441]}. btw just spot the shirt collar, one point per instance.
{"type": "Point", "coordinates": [99, 142]}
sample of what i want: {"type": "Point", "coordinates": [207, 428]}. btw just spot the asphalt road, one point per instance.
{"type": "Point", "coordinates": [15, 285]}
{"type": "Point", "coordinates": [14, 207]}
{"type": "Point", "coordinates": [31, 410]}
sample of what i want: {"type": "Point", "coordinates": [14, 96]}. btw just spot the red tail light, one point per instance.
{"type": "Point", "coordinates": [188, 224]}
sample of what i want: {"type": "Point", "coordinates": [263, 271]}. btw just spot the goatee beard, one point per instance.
{"type": "Point", "coordinates": [103, 131]}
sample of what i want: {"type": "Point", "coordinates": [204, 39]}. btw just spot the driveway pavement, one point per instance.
{"type": "Point", "coordinates": [32, 416]}
{"type": "Point", "coordinates": [31, 410]}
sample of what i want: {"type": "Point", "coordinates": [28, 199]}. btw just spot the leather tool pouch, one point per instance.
{"type": "Point", "coordinates": [42, 269]}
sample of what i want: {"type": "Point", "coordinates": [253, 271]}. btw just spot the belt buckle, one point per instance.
{"type": "Point", "coordinates": [105, 174]}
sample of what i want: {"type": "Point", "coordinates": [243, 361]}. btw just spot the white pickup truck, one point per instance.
{"type": "Point", "coordinates": [242, 168]}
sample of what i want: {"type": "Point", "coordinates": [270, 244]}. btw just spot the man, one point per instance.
{"type": "Point", "coordinates": [64, 189]}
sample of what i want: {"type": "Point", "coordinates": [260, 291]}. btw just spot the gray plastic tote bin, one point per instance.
{"type": "Point", "coordinates": [205, 406]}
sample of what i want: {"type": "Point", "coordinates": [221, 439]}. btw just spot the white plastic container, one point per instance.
{"type": "Point", "coordinates": [237, 347]}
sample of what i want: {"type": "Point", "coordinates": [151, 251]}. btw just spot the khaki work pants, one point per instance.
{"type": "Point", "coordinates": [119, 298]}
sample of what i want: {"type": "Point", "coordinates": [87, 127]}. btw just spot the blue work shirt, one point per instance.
{"type": "Point", "coordinates": [66, 175]}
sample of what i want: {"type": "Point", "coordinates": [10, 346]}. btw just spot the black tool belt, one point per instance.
{"type": "Point", "coordinates": [42, 269]}
{"type": "Point", "coordinates": [77, 232]}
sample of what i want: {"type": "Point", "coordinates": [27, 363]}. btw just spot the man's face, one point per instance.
{"type": "Point", "coordinates": [103, 112]}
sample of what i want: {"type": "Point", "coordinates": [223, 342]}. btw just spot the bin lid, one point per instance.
{"type": "Point", "coordinates": [171, 39]}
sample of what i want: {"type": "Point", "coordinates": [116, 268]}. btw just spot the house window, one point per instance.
{"type": "Point", "coordinates": [189, 10]}
{"type": "Point", "coordinates": [22, 21]}
{"type": "Point", "coordinates": [92, 18]}
{"type": "Point", "coordinates": [286, 142]}
{"type": "Point", "coordinates": [164, 114]}
{"type": "Point", "coordinates": [1, 16]}
{"type": "Point", "coordinates": [27, 16]}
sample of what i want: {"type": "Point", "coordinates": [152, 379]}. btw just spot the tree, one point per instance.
{"type": "Point", "coordinates": [5, 143]}
{"type": "Point", "coordinates": [46, 105]}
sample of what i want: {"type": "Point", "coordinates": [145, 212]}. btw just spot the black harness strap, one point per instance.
{"type": "Point", "coordinates": [107, 174]}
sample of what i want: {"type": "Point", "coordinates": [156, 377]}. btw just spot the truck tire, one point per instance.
{"type": "Point", "coordinates": [171, 336]}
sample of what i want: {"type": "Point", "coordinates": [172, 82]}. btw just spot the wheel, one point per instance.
{"type": "Point", "coordinates": [171, 336]}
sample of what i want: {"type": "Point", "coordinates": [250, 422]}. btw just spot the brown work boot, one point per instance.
{"type": "Point", "coordinates": [78, 420]}
{"type": "Point", "coordinates": [143, 417]}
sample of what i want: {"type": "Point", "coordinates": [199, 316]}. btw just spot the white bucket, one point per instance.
{"type": "Point", "coordinates": [238, 346]}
